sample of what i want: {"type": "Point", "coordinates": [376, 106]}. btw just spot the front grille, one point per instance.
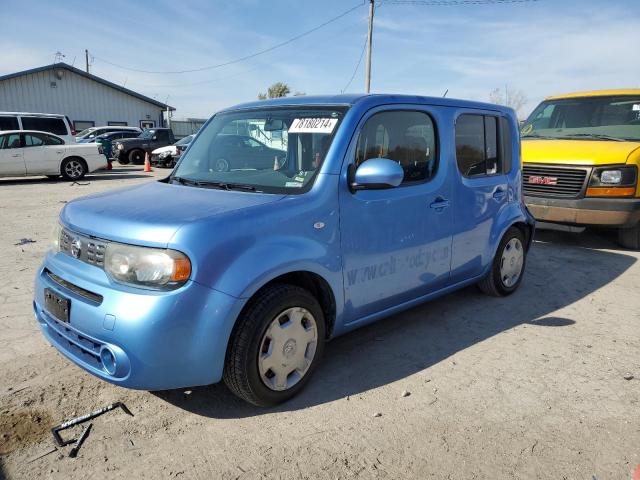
{"type": "Point", "coordinates": [554, 181]}
{"type": "Point", "coordinates": [87, 249]}
{"type": "Point", "coordinates": [93, 297]}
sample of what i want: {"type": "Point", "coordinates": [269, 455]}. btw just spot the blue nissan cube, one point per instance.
{"type": "Point", "coordinates": [286, 223]}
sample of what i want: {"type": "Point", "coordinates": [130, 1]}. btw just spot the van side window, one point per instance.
{"type": "Point", "coordinates": [9, 123]}
{"type": "Point", "coordinates": [478, 150]}
{"type": "Point", "coordinates": [407, 137]}
{"type": "Point", "coordinates": [45, 124]}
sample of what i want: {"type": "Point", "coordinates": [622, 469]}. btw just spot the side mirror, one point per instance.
{"type": "Point", "coordinates": [375, 174]}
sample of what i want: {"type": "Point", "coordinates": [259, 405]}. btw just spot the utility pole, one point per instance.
{"type": "Point", "coordinates": [367, 79]}
{"type": "Point", "coordinates": [86, 59]}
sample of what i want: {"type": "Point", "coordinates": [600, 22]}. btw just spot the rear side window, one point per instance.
{"type": "Point", "coordinates": [34, 140]}
{"type": "Point", "coordinates": [478, 146]}
{"type": "Point", "coordinates": [45, 124]}
{"type": "Point", "coordinates": [9, 123]}
{"type": "Point", "coordinates": [51, 140]}
{"type": "Point", "coordinates": [11, 140]}
{"type": "Point", "coordinates": [407, 137]}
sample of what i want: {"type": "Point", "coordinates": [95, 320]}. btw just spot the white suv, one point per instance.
{"type": "Point", "coordinates": [59, 125]}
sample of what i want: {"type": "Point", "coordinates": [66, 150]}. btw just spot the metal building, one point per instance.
{"type": "Point", "coordinates": [88, 100]}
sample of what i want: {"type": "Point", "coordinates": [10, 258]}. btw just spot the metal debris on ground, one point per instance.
{"type": "Point", "coordinates": [70, 423]}
{"type": "Point", "coordinates": [83, 436]}
{"type": "Point", "coordinates": [24, 241]}
{"type": "Point", "coordinates": [78, 183]}
{"type": "Point", "coordinates": [42, 455]}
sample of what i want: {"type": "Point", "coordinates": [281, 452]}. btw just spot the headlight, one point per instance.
{"type": "Point", "coordinates": [120, 146]}
{"type": "Point", "coordinates": [163, 154]}
{"type": "Point", "coordinates": [146, 267]}
{"type": "Point", "coordinates": [613, 181]}
{"type": "Point", "coordinates": [55, 238]}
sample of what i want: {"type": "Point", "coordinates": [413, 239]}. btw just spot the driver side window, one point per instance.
{"type": "Point", "coordinates": [407, 137]}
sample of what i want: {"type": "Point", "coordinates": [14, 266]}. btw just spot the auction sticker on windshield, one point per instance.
{"type": "Point", "coordinates": [313, 125]}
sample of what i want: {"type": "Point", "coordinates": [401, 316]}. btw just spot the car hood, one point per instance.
{"type": "Point", "coordinates": [577, 152]}
{"type": "Point", "coordinates": [150, 214]}
{"type": "Point", "coordinates": [168, 148]}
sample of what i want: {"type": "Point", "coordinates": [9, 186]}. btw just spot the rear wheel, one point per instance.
{"type": "Point", "coordinates": [630, 237]}
{"type": "Point", "coordinates": [508, 265]}
{"type": "Point", "coordinates": [73, 168]}
{"type": "Point", "coordinates": [276, 345]}
{"type": "Point", "coordinates": [136, 156]}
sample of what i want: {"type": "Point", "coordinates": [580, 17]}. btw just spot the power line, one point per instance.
{"type": "Point", "coordinates": [241, 59]}
{"type": "Point", "coordinates": [452, 3]}
{"type": "Point", "coordinates": [366, 40]}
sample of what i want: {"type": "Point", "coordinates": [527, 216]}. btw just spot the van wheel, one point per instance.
{"type": "Point", "coordinates": [508, 265]}
{"type": "Point", "coordinates": [630, 237]}
{"type": "Point", "coordinates": [275, 346]}
{"type": "Point", "coordinates": [136, 156]}
{"type": "Point", "coordinates": [73, 168]}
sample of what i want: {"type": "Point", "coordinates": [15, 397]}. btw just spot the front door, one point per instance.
{"type": "Point", "coordinates": [11, 159]}
{"type": "Point", "coordinates": [396, 243]}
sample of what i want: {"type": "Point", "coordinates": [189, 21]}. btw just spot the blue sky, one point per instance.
{"type": "Point", "coordinates": [542, 48]}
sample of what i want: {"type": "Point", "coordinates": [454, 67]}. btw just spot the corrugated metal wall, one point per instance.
{"type": "Point", "coordinates": [75, 96]}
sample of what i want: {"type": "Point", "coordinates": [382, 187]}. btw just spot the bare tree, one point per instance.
{"type": "Point", "coordinates": [515, 99]}
{"type": "Point", "coordinates": [277, 90]}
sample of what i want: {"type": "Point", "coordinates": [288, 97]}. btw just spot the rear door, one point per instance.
{"type": "Point", "coordinates": [11, 159]}
{"type": "Point", "coordinates": [42, 153]}
{"type": "Point", "coordinates": [480, 190]}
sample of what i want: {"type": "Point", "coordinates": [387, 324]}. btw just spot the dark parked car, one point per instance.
{"type": "Point", "coordinates": [132, 150]}
{"type": "Point", "coordinates": [244, 152]}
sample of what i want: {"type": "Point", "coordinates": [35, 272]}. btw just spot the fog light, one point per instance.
{"type": "Point", "coordinates": [108, 360]}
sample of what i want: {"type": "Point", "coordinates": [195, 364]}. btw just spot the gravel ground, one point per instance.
{"type": "Point", "coordinates": [543, 384]}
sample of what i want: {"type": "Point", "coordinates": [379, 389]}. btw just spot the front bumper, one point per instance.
{"type": "Point", "coordinates": [610, 212]}
{"type": "Point", "coordinates": [159, 340]}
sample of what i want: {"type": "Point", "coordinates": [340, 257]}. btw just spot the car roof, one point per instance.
{"type": "Point", "coordinates": [597, 93]}
{"type": "Point", "coordinates": [373, 99]}
{"type": "Point", "coordinates": [54, 115]}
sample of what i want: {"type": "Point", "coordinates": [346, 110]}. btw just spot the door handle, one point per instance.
{"type": "Point", "coordinates": [439, 204]}
{"type": "Point", "coordinates": [499, 194]}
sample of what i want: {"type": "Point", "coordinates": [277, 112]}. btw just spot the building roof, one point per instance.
{"type": "Point", "coordinates": [597, 93]}
{"type": "Point", "coordinates": [84, 74]}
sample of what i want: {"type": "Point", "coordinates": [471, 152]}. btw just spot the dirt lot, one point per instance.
{"type": "Point", "coordinates": [537, 385]}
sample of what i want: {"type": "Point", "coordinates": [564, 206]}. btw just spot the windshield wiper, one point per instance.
{"type": "Point", "coordinates": [535, 135]}
{"type": "Point", "coordinates": [183, 181]}
{"type": "Point", "coordinates": [225, 185]}
{"type": "Point", "coordinates": [595, 136]}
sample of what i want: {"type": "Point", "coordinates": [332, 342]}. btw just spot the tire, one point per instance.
{"type": "Point", "coordinates": [508, 265]}
{"type": "Point", "coordinates": [73, 169]}
{"type": "Point", "coordinates": [221, 165]}
{"type": "Point", "coordinates": [630, 237]}
{"type": "Point", "coordinates": [262, 339]}
{"type": "Point", "coordinates": [136, 156]}
{"type": "Point", "coordinates": [123, 160]}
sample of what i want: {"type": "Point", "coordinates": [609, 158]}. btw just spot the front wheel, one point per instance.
{"type": "Point", "coordinates": [276, 345]}
{"type": "Point", "coordinates": [73, 169]}
{"type": "Point", "coordinates": [630, 237]}
{"type": "Point", "coordinates": [508, 265]}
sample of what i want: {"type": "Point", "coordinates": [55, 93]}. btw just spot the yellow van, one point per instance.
{"type": "Point", "coordinates": [581, 154]}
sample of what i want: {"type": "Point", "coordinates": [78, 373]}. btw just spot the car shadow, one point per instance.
{"type": "Point", "coordinates": [557, 275]}
{"type": "Point", "coordinates": [100, 175]}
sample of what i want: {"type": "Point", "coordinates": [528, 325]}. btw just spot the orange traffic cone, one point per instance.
{"type": "Point", "coordinates": [147, 163]}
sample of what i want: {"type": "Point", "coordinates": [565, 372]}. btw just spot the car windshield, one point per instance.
{"type": "Point", "coordinates": [586, 118]}
{"type": "Point", "coordinates": [184, 141]}
{"type": "Point", "coordinates": [85, 132]}
{"type": "Point", "coordinates": [147, 134]}
{"type": "Point", "coordinates": [272, 150]}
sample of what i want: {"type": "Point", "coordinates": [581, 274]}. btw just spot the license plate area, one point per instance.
{"type": "Point", "coordinates": [57, 305]}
